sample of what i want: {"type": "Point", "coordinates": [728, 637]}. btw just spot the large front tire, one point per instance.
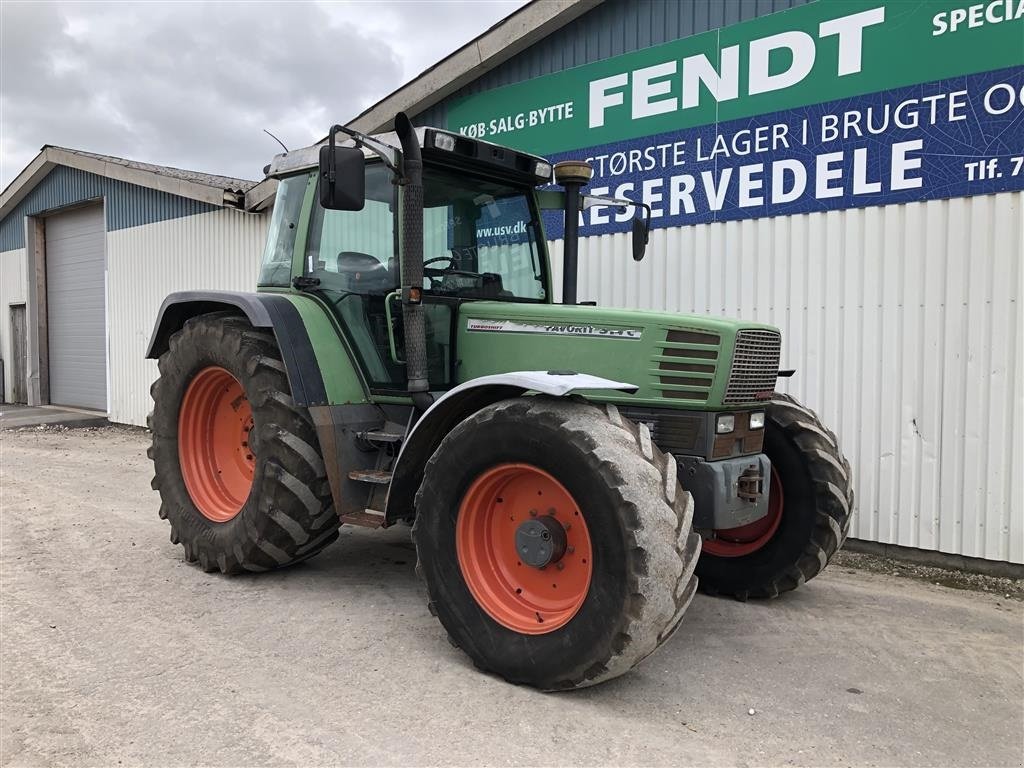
{"type": "Point", "coordinates": [809, 514]}
{"type": "Point", "coordinates": [626, 577]}
{"type": "Point", "coordinates": [237, 463]}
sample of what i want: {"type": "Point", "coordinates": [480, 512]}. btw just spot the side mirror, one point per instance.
{"type": "Point", "coordinates": [342, 178]}
{"type": "Point", "coordinates": [641, 234]}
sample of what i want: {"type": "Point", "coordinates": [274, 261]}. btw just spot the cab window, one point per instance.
{"type": "Point", "coordinates": [479, 239]}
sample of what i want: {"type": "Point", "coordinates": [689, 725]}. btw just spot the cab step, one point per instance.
{"type": "Point", "coordinates": [375, 476]}
{"type": "Point", "coordinates": [367, 518]}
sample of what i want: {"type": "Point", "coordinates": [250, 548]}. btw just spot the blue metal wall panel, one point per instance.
{"type": "Point", "coordinates": [127, 205]}
{"type": "Point", "coordinates": [611, 29]}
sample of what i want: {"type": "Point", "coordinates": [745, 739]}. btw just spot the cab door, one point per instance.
{"type": "Point", "coordinates": [351, 263]}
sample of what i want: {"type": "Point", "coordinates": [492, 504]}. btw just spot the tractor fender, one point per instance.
{"type": "Point", "coordinates": [263, 310]}
{"type": "Point", "coordinates": [460, 403]}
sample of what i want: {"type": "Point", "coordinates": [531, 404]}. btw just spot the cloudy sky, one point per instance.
{"type": "Point", "coordinates": [193, 85]}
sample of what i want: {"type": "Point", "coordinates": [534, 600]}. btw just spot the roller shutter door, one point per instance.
{"type": "Point", "coordinates": [76, 308]}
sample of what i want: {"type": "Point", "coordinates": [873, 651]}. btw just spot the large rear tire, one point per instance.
{"type": "Point", "coordinates": [809, 515]}
{"type": "Point", "coordinates": [237, 463]}
{"type": "Point", "coordinates": [626, 576]}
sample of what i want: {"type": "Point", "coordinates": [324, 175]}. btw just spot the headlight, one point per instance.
{"type": "Point", "coordinates": [757, 420]}
{"type": "Point", "coordinates": [725, 423]}
{"type": "Point", "coordinates": [444, 141]}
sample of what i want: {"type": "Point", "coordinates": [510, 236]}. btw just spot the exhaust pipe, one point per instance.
{"type": "Point", "coordinates": [573, 175]}
{"type": "Point", "coordinates": [412, 264]}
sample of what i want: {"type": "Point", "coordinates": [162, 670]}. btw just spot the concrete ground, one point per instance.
{"type": "Point", "coordinates": [14, 416]}
{"type": "Point", "coordinates": [116, 652]}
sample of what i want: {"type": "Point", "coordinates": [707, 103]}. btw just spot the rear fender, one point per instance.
{"type": "Point", "coordinates": [263, 310]}
{"type": "Point", "coordinates": [460, 403]}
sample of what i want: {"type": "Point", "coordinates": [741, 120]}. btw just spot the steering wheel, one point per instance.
{"type": "Point", "coordinates": [435, 274]}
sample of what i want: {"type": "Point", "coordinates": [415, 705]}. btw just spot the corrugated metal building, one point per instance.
{"type": "Point", "coordinates": [902, 320]}
{"type": "Point", "coordinates": [89, 247]}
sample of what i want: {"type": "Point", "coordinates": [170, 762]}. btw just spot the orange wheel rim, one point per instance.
{"type": "Point", "coordinates": [502, 510]}
{"type": "Point", "coordinates": [217, 462]}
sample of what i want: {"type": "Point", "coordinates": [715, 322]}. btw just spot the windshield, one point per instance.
{"type": "Point", "coordinates": [479, 239]}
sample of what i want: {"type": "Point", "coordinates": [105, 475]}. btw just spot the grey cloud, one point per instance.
{"type": "Point", "coordinates": [193, 85]}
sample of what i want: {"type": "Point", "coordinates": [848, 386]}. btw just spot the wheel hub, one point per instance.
{"type": "Point", "coordinates": [540, 541]}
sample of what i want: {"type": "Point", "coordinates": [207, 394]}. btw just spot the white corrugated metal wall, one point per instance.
{"type": "Point", "coordinates": [13, 289]}
{"type": "Point", "coordinates": [220, 250]}
{"type": "Point", "coordinates": [904, 324]}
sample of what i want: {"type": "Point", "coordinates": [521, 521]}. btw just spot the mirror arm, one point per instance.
{"type": "Point", "coordinates": [361, 140]}
{"type": "Point", "coordinates": [590, 201]}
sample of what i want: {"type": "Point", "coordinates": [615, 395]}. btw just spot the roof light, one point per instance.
{"type": "Point", "coordinates": [542, 170]}
{"type": "Point", "coordinates": [444, 141]}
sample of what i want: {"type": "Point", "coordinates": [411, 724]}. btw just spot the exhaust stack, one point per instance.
{"type": "Point", "coordinates": [573, 175]}
{"type": "Point", "coordinates": [412, 264]}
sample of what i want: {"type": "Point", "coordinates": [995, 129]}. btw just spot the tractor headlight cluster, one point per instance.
{"type": "Point", "coordinates": [725, 423]}
{"type": "Point", "coordinates": [757, 420]}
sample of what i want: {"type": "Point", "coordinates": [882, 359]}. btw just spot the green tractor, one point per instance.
{"type": "Point", "coordinates": [562, 465]}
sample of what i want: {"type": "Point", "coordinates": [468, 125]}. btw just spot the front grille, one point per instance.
{"type": "Point", "coordinates": [755, 366]}
{"type": "Point", "coordinates": [686, 365]}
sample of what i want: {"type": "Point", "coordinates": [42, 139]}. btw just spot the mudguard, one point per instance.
{"type": "Point", "coordinates": [459, 403]}
{"type": "Point", "coordinates": [264, 310]}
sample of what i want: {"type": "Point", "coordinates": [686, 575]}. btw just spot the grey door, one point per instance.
{"type": "Point", "coordinates": [76, 308]}
{"type": "Point", "coordinates": [19, 355]}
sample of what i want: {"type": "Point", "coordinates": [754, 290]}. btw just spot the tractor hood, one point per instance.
{"type": "Point", "coordinates": [680, 361]}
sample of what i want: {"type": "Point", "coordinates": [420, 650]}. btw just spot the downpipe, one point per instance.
{"type": "Point", "coordinates": [412, 264]}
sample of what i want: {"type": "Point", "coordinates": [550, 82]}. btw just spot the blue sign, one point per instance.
{"type": "Point", "coordinates": [950, 138]}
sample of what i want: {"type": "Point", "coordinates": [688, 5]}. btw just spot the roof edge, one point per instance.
{"type": "Point", "coordinates": [50, 157]}
{"type": "Point", "coordinates": [510, 36]}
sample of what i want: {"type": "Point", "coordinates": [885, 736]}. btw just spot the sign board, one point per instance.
{"type": "Point", "coordinates": [835, 104]}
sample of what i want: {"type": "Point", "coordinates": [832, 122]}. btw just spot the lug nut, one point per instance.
{"type": "Point", "coordinates": [533, 513]}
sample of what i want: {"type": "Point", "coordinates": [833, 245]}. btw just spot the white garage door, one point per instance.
{"type": "Point", "coordinates": [75, 305]}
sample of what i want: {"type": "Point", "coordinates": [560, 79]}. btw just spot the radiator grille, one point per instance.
{"type": "Point", "coordinates": [755, 366]}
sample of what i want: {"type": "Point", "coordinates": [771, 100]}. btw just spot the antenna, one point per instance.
{"type": "Point", "coordinates": [275, 139]}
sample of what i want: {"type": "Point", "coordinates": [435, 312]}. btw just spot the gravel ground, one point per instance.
{"type": "Point", "coordinates": [114, 651]}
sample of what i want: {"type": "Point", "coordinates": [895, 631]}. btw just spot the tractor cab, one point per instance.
{"type": "Point", "coordinates": [482, 239]}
